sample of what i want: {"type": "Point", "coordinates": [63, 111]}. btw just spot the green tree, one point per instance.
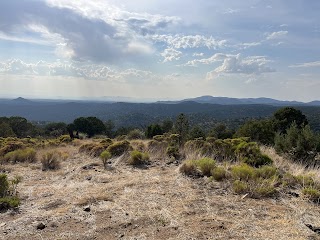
{"type": "Point", "coordinates": [56, 129]}
{"type": "Point", "coordinates": [90, 125]}
{"type": "Point", "coordinates": [258, 130]}
{"type": "Point", "coordinates": [284, 117]}
{"type": "Point", "coordinates": [109, 125]}
{"type": "Point", "coordinates": [220, 131]}
{"type": "Point", "coordinates": [20, 126]}
{"type": "Point", "coordinates": [6, 130]}
{"type": "Point", "coordinates": [153, 130]}
{"type": "Point", "coordinates": [181, 127]}
{"type": "Point", "coordinates": [167, 125]}
{"type": "Point", "coordinates": [196, 132]}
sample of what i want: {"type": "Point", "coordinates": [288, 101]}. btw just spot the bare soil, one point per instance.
{"type": "Point", "coordinates": [84, 201]}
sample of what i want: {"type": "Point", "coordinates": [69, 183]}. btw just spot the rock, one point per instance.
{"type": "Point", "coordinates": [313, 228]}
{"type": "Point", "coordinates": [87, 209]}
{"type": "Point", "coordinates": [88, 178]}
{"type": "Point", "coordinates": [41, 226]}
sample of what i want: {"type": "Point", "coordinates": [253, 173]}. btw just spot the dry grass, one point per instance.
{"type": "Point", "coordinates": [156, 203]}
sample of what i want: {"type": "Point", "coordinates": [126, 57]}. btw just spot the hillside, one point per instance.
{"type": "Point", "coordinates": [82, 200]}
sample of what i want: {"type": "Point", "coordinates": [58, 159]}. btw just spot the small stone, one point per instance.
{"type": "Point", "coordinates": [41, 226]}
{"type": "Point", "coordinates": [88, 178]}
{"type": "Point", "coordinates": [2, 224]}
{"type": "Point", "coordinates": [87, 209]}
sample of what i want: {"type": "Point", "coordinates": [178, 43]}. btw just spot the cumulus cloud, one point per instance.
{"type": "Point", "coordinates": [214, 58]}
{"type": "Point", "coordinates": [188, 41]}
{"type": "Point", "coordinates": [171, 54]}
{"type": "Point", "coordinates": [253, 65]}
{"type": "Point", "coordinates": [198, 54]}
{"type": "Point", "coordinates": [276, 35]}
{"type": "Point", "coordinates": [307, 64]}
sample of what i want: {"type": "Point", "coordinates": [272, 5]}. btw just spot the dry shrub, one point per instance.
{"type": "Point", "coordinates": [51, 160]}
{"type": "Point", "coordinates": [11, 146]}
{"type": "Point", "coordinates": [219, 173]}
{"type": "Point", "coordinates": [189, 169]}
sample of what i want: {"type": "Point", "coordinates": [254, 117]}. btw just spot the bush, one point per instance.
{"type": "Point", "coordinates": [263, 188]}
{"type": "Point", "coordinates": [312, 194]}
{"type": "Point", "coordinates": [189, 169]}
{"type": "Point", "coordinates": [105, 156]}
{"type": "Point", "coordinates": [50, 161]}
{"type": "Point", "coordinates": [136, 134]}
{"type": "Point", "coordinates": [242, 172]}
{"type": "Point", "coordinates": [7, 193]}
{"type": "Point", "coordinates": [206, 165]}
{"type": "Point", "coordinates": [173, 152]}
{"type": "Point", "coordinates": [219, 173]}
{"type": "Point", "coordinates": [240, 187]}
{"type": "Point", "coordinates": [21, 155]}
{"type": "Point", "coordinates": [119, 148]}
{"type": "Point", "coordinates": [138, 158]}
{"type": "Point", "coordinates": [10, 147]}
{"type": "Point", "coordinates": [266, 172]}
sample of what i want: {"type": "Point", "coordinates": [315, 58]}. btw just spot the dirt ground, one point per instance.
{"type": "Point", "coordinates": [84, 201]}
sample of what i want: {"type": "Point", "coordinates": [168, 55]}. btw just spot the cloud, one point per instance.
{"type": "Point", "coordinates": [198, 54]}
{"type": "Point", "coordinates": [188, 41]}
{"type": "Point", "coordinates": [307, 64]}
{"type": "Point", "coordinates": [276, 35]}
{"type": "Point", "coordinates": [235, 64]}
{"type": "Point", "coordinates": [215, 58]}
{"type": "Point", "coordinates": [171, 54]}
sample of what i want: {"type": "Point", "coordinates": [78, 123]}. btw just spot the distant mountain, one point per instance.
{"type": "Point", "coordinates": [314, 103]}
{"type": "Point", "coordinates": [238, 101]}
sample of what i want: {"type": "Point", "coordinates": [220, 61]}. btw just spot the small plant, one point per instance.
{"type": "Point", "coordinates": [266, 172]}
{"type": "Point", "coordinates": [118, 148]}
{"type": "Point", "coordinates": [138, 158]}
{"type": "Point", "coordinates": [173, 152]}
{"type": "Point", "coordinates": [312, 194]}
{"type": "Point", "coordinates": [189, 168]}
{"type": "Point", "coordinates": [243, 172]}
{"type": "Point", "coordinates": [50, 161]}
{"type": "Point", "coordinates": [206, 165]}
{"type": "Point", "coordinates": [105, 156]}
{"type": "Point", "coordinates": [240, 187]}
{"type": "Point", "coordinates": [219, 173]}
{"type": "Point", "coordinates": [21, 155]}
{"type": "Point", "coordinates": [8, 198]}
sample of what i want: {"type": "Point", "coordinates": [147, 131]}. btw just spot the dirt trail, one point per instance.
{"type": "Point", "coordinates": [154, 203]}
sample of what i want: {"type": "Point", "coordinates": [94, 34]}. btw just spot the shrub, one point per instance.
{"type": "Point", "coordinates": [7, 193]}
{"type": "Point", "coordinates": [263, 188]}
{"type": "Point", "coordinates": [50, 161]}
{"type": "Point", "coordinates": [119, 148]}
{"type": "Point", "coordinates": [312, 194]}
{"type": "Point", "coordinates": [173, 152]}
{"type": "Point", "coordinates": [138, 158]}
{"type": "Point", "coordinates": [189, 168]}
{"type": "Point", "coordinates": [266, 172]}
{"type": "Point", "coordinates": [65, 139]}
{"type": "Point", "coordinates": [4, 185]}
{"type": "Point", "coordinates": [105, 156]}
{"type": "Point", "coordinates": [86, 148]}
{"type": "Point", "coordinates": [21, 155]}
{"type": "Point", "coordinates": [206, 165]}
{"type": "Point", "coordinates": [243, 172]}
{"type": "Point", "coordinates": [11, 146]}
{"type": "Point", "coordinates": [219, 173]}
{"type": "Point", "coordinates": [239, 187]}
{"type": "Point", "coordinates": [136, 134]}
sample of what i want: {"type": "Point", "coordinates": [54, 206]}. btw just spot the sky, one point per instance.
{"type": "Point", "coordinates": [161, 49]}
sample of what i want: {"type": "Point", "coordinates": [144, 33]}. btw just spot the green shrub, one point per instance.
{"type": "Point", "coordinates": [11, 146]}
{"type": "Point", "coordinates": [65, 139]}
{"type": "Point", "coordinates": [87, 148]}
{"type": "Point", "coordinates": [159, 138]}
{"type": "Point", "coordinates": [21, 155]}
{"type": "Point", "coordinates": [173, 152]}
{"type": "Point", "coordinates": [266, 172]}
{"type": "Point", "coordinates": [119, 148]}
{"type": "Point", "coordinates": [263, 188]}
{"type": "Point", "coordinates": [9, 202]}
{"type": "Point", "coordinates": [219, 173]}
{"type": "Point", "coordinates": [50, 161]}
{"type": "Point", "coordinates": [105, 156]}
{"type": "Point", "coordinates": [206, 165]}
{"type": "Point", "coordinates": [4, 185]}
{"type": "Point", "coordinates": [135, 134]}
{"type": "Point", "coordinates": [189, 168]}
{"type": "Point", "coordinates": [138, 158]}
{"type": "Point", "coordinates": [242, 172]}
{"type": "Point", "coordinates": [312, 194]}
{"type": "Point", "coordinates": [240, 187]}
